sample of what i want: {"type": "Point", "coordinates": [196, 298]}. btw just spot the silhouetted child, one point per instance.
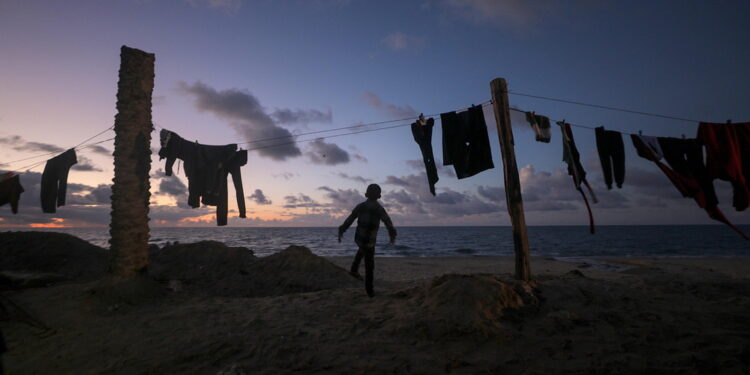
{"type": "Point", "coordinates": [368, 214]}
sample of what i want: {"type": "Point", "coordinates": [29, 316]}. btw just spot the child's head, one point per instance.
{"type": "Point", "coordinates": [373, 192]}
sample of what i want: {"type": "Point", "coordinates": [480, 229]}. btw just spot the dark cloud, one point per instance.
{"type": "Point", "coordinates": [359, 157]}
{"type": "Point", "coordinates": [17, 143]}
{"type": "Point", "coordinates": [301, 201]}
{"type": "Point", "coordinates": [492, 193]}
{"type": "Point", "coordinates": [245, 114]}
{"type": "Point", "coordinates": [102, 194]}
{"type": "Point", "coordinates": [391, 110]}
{"type": "Point", "coordinates": [322, 152]}
{"type": "Point", "coordinates": [259, 198]}
{"type": "Point", "coordinates": [418, 165]}
{"type": "Point", "coordinates": [359, 179]}
{"type": "Point", "coordinates": [85, 165]}
{"type": "Point", "coordinates": [285, 175]}
{"type": "Point", "coordinates": [301, 116]}
{"type": "Point", "coordinates": [100, 150]}
{"type": "Point", "coordinates": [343, 200]}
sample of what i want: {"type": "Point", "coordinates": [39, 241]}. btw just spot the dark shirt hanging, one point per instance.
{"type": "Point", "coordinates": [541, 126]}
{"type": "Point", "coordinates": [572, 157]}
{"type": "Point", "coordinates": [10, 190]}
{"type": "Point", "coordinates": [55, 180]}
{"type": "Point", "coordinates": [466, 144]}
{"type": "Point", "coordinates": [724, 158]}
{"type": "Point", "coordinates": [204, 165]}
{"type": "Point", "coordinates": [423, 136]}
{"type": "Point", "coordinates": [611, 155]}
{"type": "Point", "coordinates": [688, 173]}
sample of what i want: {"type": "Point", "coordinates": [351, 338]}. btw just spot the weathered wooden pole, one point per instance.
{"type": "Point", "coordinates": [512, 183]}
{"type": "Point", "coordinates": [130, 189]}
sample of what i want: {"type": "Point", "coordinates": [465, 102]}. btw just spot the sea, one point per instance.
{"type": "Point", "coordinates": [547, 241]}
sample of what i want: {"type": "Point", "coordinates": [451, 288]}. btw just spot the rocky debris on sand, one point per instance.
{"type": "Point", "coordinates": [51, 253]}
{"type": "Point", "coordinates": [455, 305]}
{"type": "Point", "coordinates": [199, 260]}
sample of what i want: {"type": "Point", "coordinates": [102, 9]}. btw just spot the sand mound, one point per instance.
{"type": "Point", "coordinates": [295, 270]}
{"type": "Point", "coordinates": [456, 305]}
{"type": "Point", "coordinates": [200, 260]}
{"type": "Point", "coordinates": [51, 253]}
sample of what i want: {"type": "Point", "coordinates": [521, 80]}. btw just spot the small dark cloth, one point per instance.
{"type": "Point", "coordinates": [10, 190]}
{"type": "Point", "coordinates": [466, 144]}
{"type": "Point", "coordinates": [611, 155]}
{"type": "Point", "coordinates": [55, 180]}
{"type": "Point", "coordinates": [541, 126]}
{"type": "Point", "coordinates": [206, 166]}
{"type": "Point", "coordinates": [423, 136]}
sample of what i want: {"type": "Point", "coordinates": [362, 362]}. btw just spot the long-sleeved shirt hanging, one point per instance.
{"type": "Point", "coordinates": [611, 155]}
{"type": "Point", "coordinates": [423, 136]}
{"type": "Point", "coordinates": [724, 158]}
{"type": "Point", "coordinates": [687, 173]}
{"type": "Point", "coordinates": [466, 144]}
{"type": "Point", "coordinates": [55, 180]}
{"type": "Point", "coordinates": [541, 126]}
{"type": "Point", "coordinates": [202, 165]}
{"type": "Point", "coordinates": [10, 190]}
{"type": "Point", "coordinates": [572, 157]}
{"type": "Point", "coordinates": [219, 196]}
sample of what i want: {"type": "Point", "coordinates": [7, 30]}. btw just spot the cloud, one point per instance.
{"type": "Point", "coordinates": [301, 201]}
{"type": "Point", "coordinates": [85, 165]}
{"type": "Point", "coordinates": [259, 198]}
{"type": "Point", "coordinates": [322, 152]}
{"type": "Point", "coordinates": [517, 14]}
{"type": "Point", "coordinates": [102, 194]}
{"type": "Point", "coordinates": [229, 6]}
{"type": "Point", "coordinates": [285, 175]}
{"type": "Point", "coordinates": [359, 179]}
{"type": "Point", "coordinates": [398, 41]}
{"type": "Point", "coordinates": [100, 150]}
{"type": "Point", "coordinates": [245, 114]}
{"type": "Point", "coordinates": [301, 116]}
{"type": "Point", "coordinates": [17, 143]}
{"type": "Point", "coordinates": [391, 110]}
{"type": "Point", "coordinates": [492, 193]}
{"type": "Point", "coordinates": [418, 165]}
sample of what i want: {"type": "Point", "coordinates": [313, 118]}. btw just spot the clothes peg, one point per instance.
{"type": "Point", "coordinates": [422, 121]}
{"type": "Point", "coordinates": [640, 133]}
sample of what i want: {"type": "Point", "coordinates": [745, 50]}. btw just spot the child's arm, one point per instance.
{"type": "Point", "coordinates": [388, 224]}
{"type": "Point", "coordinates": [349, 220]}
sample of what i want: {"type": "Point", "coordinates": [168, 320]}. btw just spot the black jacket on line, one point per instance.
{"type": "Point", "coordinates": [55, 180]}
{"type": "Point", "coordinates": [466, 144]}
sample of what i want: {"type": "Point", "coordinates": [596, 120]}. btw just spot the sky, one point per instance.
{"type": "Point", "coordinates": [234, 71]}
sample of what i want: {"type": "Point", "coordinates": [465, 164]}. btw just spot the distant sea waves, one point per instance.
{"type": "Point", "coordinates": [551, 241]}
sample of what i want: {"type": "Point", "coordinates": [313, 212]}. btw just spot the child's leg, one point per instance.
{"type": "Point", "coordinates": [369, 254]}
{"type": "Point", "coordinates": [357, 259]}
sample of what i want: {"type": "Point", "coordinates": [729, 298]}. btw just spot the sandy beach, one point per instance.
{"type": "Point", "coordinates": [210, 309]}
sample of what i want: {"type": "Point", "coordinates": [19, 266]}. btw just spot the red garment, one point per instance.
{"type": "Point", "coordinates": [724, 158]}
{"type": "Point", "coordinates": [690, 177]}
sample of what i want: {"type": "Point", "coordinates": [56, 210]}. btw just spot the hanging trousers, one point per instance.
{"type": "Point", "coordinates": [55, 180]}
{"type": "Point", "coordinates": [423, 136]}
{"type": "Point", "coordinates": [611, 155]}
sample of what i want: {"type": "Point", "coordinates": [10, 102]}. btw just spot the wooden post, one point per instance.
{"type": "Point", "coordinates": [128, 228]}
{"type": "Point", "coordinates": [512, 184]}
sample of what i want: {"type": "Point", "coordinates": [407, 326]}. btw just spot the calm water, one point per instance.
{"type": "Point", "coordinates": [556, 241]}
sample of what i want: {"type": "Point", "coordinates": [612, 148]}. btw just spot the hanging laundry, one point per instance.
{"type": "Point", "coordinates": [203, 164]}
{"type": "Point", "coordinates": [688, 173]}
{"type": "Point", "coordinates": [743, 137]}
{"type": "Point", "coordinates": [422, 132]}
{"type": "Point", "coordinates": [575, 169]}
{"type": "Point", "coordinates": [724, 159]}
{"type": "Point", "coordinates": [55, 180]}
{"type": "Point", "coordinates": [466, 144]}
{"type": "Point", "coordinates": [218, 197]}
{"type": "Point", "coordinates": [541, 126]}
{"type": "Point", "coordinates": [611, 155]}
{"type": "Point", "coordinates": [10, 190]}
{"type": "Point", "coordinates": [650, 147]}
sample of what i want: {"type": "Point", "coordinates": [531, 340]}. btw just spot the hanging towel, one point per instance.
{"type": "Point", "coordinates": [541, 126]}
{"type": "Point", "coordinates": [724, 158]}
{"type": "Point", "coordinates": [55, 180]}
{"type": "Point", "coordinates": [423, 136]}
{"type": "Point", "coordinates": [466, 144]}
{"type": "Point", "coordinates": [575, 169]}
{"type": "Point", "coordinates": [611, 155]}
{"type": "Point", "coordinates": [10, 190]}
{"type": "Point", "coordinates": [687, 173]}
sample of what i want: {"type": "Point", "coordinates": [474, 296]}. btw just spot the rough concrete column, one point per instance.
{"type": "Point", "coordinates": [130, 191]}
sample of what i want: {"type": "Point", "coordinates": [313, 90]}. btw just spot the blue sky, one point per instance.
{"type": "Point", "coordinates": [334, 63]}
